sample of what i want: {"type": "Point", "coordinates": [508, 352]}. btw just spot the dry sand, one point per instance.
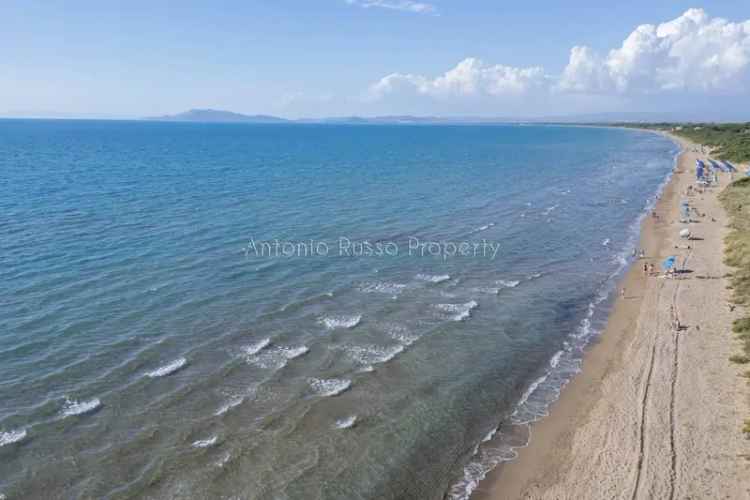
{"type": "Point", "coordinates": [655, 413]}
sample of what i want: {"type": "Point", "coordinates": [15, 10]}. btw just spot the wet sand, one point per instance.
{"type": "Point", "coordinates": [655, 412]}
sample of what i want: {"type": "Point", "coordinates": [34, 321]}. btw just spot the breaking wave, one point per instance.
{"type": "Point", "coordinates": [372, 354]}
{"type": "Point", "coordinates": [329, 387]}
{"type": "Point", "coordinates": [402, 335]}
{"type": "Point", "coordinates": [508, 283]}
{"type": "Point", "coordinates": [256, 347]}
{"type": "Point", "coordinates": [13, 436]}
{"type": "Point", "coordinates": [73, 407]}
{"type": "Point", "coordinates": [392, 289]}
{"type": "Point", "coordinates": [236, 401]}
{"type": "Point", "coordinates": [345, 423]}
{"type": "Point", "coordinates": [433, 278]}
{"type": "Point", "coordinates": [168, 369]}
{"type": "Point", "coordinates": [458, 312]}
{"type": "Point", "coordinates": [205, 443]}
{"type": "Point", "coordinates": [277, 357]}
{"type": "Point", "coordinates": [336, 322]}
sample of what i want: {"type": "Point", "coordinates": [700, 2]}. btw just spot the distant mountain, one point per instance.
{"type": "Point", "coordinates": [217, 116]}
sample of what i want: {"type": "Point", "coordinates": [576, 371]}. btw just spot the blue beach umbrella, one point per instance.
{"type": "Point", "coordinates": [668, 263]}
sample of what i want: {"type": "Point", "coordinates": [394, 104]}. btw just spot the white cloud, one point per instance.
{"type": "Point", "coordinates": [469, 78]}
{"type": "Point", "coordinates": [693, 52]}
{"type": "Point", "coordinates": [585, 72]}
{"type": "Point", "coordinates": [402, 5]}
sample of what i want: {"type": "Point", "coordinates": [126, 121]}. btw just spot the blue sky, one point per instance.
{"type": "Point", "coordinates": [369, 57]}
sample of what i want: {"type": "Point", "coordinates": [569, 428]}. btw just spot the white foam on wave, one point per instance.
{"type": "Point", "coordinates": [605, 242]}
{"type": "Point", "coordinates": [295, 352]}
{"type": "Point", "coordinates": [459, 312]}
{"type": "Point", "coordinates": [402, 335]}
{"type": "Point", "coordinates": [521, 414]}
{"type": "Point", "coordinates": [476, 470]}
{"type": "Point", "coordinates": [528, 392]}
{"type": "Point", "coordinates": [73, 407]}
{"type": "Point", "coordinates": [484, 228]}
{"type": "Point", "coordinates": [256, 347]}
{"type": "Point", "coordinates": [168, 369]}
{"type": "Point", "coordinates": [534, 276]}
{"type": "Point", "coordinates": [277, 357]}
{"type": "Point", "coordinates": [372, 354]}
{"type": "Point", "coordinates": [330, 386]}
{"type": "Point", "coordinates": [13, 436]}
{"type": "Point", "coordinates": [336, 322]}
{"type": "Point", "coordinates": [221, 462]}
{"type": "Point", "coordinates": [235, 401]}
{"type": "Point", "coordinates": [205, 443]}
{"type": "Point", "coordinates": [556, 359]}
{"type": "Point", "coordinates": [345, 423]}
{"type": "Point", "coordinates": [508, 283]}
{"type": "Point", "coordinates": [433, 278]}
{"type": "Point", "coordinates": [392, 289]}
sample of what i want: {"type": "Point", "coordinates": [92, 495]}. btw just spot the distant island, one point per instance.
{"type": "Point", "coordinates": [217, 116]}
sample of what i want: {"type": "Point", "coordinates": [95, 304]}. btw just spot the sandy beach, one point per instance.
{"type": "Point", "coordinates": [655, 412]}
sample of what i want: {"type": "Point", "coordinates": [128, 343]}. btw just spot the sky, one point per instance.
{"type": "Point", "coordinates": [316, 58]}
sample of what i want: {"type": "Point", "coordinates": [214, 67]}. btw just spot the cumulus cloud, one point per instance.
{"type": "Point", "coordinates": [469, 78]}
{"type": "Point", "coordinates": [693, 52]}
{"type": "Point", "coordinates": [402, 5]}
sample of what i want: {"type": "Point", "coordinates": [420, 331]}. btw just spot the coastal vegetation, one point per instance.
{"type": "Point", "coordinates": [729, 141]}
{"type": "Point", "coordinates": [736, 201]}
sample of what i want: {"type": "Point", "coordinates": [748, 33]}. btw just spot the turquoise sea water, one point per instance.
{"type": "Point", "coordinates": [240, 311]}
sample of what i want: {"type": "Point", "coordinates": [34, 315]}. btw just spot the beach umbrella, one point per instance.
{"type": "Point", "coordinates": [685, 233]}
{"type": "Point", "coordinates": [668, 263]}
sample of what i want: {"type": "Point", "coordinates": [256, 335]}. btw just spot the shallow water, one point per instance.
{"type": "Point", "coordinates": [147, 348]}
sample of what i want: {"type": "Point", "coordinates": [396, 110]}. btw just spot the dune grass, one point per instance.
{"type": "Point", "coordinates": [730, 141]}
{"type": "Point", "coordinates": [736, 201]}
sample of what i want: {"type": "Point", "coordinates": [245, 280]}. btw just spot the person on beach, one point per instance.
{"type": "Point", "coordinates": [674, 319]}
{"type": "Point", "coordinates": [671, 315]}
{"type": "Point", "coordinates": [645, 269]}
{"type": "Point", "coordinates": [651, 269]}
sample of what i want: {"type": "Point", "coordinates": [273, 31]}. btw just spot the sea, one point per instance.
{"type": "Point", "coordinates": [300, 311]}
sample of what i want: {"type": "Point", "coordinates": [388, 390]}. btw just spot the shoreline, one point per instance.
{"type": "Point", "coordinates": [599, 439]}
